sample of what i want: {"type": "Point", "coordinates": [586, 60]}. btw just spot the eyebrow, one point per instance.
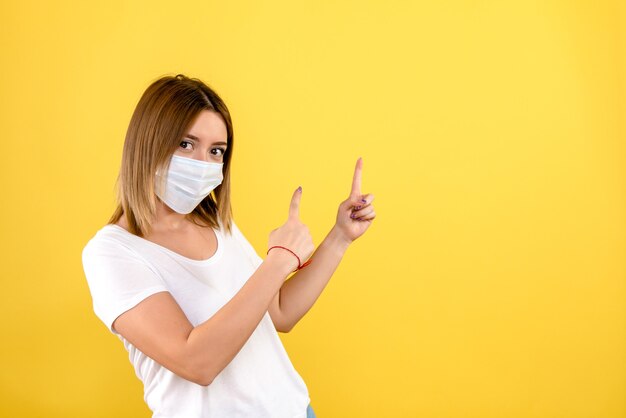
{"type": "Point", "coordinates": [190, 136]}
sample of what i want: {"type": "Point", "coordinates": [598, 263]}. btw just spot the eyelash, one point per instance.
{"type": "Point", "coordinates": [189, 142]}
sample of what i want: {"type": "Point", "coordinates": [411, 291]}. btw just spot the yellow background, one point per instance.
{"type": "Point", "coordinates": [492, 282]}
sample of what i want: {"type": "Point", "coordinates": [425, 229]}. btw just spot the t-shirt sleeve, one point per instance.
{"type": "Point", "coordinates": [118, 278]}
{"type": "Point", "coordinates": [248, 249]}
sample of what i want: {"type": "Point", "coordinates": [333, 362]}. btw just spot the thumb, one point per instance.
{"type": "Point", "coordinates": [294, 207]}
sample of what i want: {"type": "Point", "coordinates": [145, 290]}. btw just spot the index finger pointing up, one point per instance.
{"type": "Point", "coordinates": [294, 206]}
{"type": "Point", "coordinates": [356, 179]}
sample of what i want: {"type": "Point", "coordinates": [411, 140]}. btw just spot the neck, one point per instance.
{"type": "Point", "coordinates": [168, 219]}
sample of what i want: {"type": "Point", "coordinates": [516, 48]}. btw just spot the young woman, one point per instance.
{"type": "Point", "coordinates": [173, 277]}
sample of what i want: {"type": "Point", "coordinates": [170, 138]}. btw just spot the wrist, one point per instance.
{"type": "Point", "coordinates": [338, 240]}
{"type": "Point", "coordinates": [282, 260]}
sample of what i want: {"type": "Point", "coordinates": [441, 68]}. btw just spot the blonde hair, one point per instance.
{"type": "Point", "coordinates": [161, 119]}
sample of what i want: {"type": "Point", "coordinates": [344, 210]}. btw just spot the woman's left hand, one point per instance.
{"type": "Point", "coordinates": [356, 213]}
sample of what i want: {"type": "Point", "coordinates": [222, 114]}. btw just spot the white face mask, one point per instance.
{"type": "Point", "coordinates": [188, 182]}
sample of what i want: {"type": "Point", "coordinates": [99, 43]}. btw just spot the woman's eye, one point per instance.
{"type": "Point", "coordinates": [182, 144]}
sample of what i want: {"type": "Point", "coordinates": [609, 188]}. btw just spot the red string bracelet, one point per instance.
{"type": "Point", "coordinates": [300, 267]}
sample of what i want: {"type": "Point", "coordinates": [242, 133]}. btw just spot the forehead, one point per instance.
{"type": "Point", "coordinates": [208, 126]}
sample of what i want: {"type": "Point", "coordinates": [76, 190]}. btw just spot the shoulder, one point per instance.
{"type": "Point", "coordinates": [112, 254]}
{"type": "Point", "coordinates": [109, 240]}
{"type": "Point", "coordinates": [234, 229]}
{"type": "Point", "coordinates": [237, 233]}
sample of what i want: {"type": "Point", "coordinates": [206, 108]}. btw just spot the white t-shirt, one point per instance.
{"type": "Point", "coordinates": [122, 269]}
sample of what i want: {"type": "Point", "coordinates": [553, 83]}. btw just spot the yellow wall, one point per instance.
{"type": "Point", "coordinates": [492, 282]}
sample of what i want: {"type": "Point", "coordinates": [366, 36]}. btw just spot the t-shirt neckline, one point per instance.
{"type": "Point", "coordinates": [210, 260]}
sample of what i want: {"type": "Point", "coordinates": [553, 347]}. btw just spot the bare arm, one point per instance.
{"type": "Point", "coordinates": [158, 327]}
{"type": "Point", "coordinates": [299, 293]}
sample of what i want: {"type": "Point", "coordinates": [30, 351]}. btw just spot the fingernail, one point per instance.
{"type": "Point", "coordinates": [299, 188]}
{"type": "Point", "coordinates": [357, 207]}
{"type": "Point", "coordinates": [363, 200]}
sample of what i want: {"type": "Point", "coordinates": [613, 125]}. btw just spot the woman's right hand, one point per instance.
{"type": "Point", "coordinates": [293, 234]}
